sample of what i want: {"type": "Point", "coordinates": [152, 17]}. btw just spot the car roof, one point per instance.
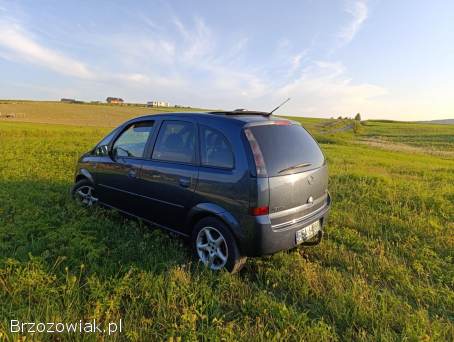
{"type": "Point", "coordinates": [241, 117]}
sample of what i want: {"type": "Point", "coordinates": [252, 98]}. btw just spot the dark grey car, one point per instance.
{"type": "Point", "coordinates": [237, 183]}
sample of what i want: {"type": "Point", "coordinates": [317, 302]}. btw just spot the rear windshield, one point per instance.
{"type": "Point", "coordinates": [287, 149]}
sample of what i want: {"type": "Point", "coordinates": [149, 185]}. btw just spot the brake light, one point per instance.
{"type": "Point", "coordinates": [257, 211]}
{"type": "Point", "coordinates": [257, 153]}
{"type": "Point", "coordinates": [282, 123]}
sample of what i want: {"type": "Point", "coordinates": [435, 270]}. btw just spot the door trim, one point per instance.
{"type": "Point", "coordinates": [142, 196]}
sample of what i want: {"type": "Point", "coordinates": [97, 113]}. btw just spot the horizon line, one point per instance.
{"type": "Point", "coordinates": [322, 116]}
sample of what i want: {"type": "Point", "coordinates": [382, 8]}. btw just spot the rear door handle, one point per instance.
{"type": "Point", "coordinates": [132, 173]}
{"type": "Point", "coordinates": [185, 182]}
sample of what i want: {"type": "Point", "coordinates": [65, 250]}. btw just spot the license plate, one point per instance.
{"type": "Point", "coordinates": [307, 232]}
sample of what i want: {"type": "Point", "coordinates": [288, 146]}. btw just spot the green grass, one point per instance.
{"type": "Point", "coordinates": [383, 272]}
{"type": "Point", "coordinates": [434, 136]}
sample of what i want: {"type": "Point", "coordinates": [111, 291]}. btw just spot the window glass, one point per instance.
{"type": "Point", "coordinates": [131, 142]}
{"type": "Point", "coordinates": [215, 150]}
{"type": "Point", "coordinates": [176, 141]}
{"type": "Point", "coordinates": [285, 147]}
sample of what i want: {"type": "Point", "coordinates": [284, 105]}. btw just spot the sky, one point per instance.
{"type": "Point", "coordinates": [384, 59]}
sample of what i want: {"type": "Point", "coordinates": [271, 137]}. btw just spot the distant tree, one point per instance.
{"type": "Point", "coordinates": [339, 118]}
{"type": "Point", "coordinates": [357, 127]}
{"type": "Point", "coordinates": [358, 117]}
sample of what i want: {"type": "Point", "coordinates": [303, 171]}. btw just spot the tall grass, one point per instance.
{"type": "Point", "coordinates": [383, 272]}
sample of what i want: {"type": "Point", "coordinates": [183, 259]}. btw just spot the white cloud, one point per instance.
{"type": "Point", "coordinates": [154, 60]}
{"type": "Point", "coordinates": [17, 44]}
{"type": "Point", "coordinates": [324, 88]}
{"type": "Point", "coordinates": [296, 61]}
{"type": "Point", "coordinates": [193, 67]}
{"type": "Point", "coordinates": [358, 11]}
{"type": "Point", "coordinates": [14, 41]}
{"type": "Point", "coordinates": [190, 60]}
{"type": "Point", "coordinates": [150, 23]}
{"type": "Point", "coordinates": [141, 80]}
{"type": "Point", "coordinates": [199, 42]}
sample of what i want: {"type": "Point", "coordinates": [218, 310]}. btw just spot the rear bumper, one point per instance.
{"type": "Point", "coordinates": [266, 240]}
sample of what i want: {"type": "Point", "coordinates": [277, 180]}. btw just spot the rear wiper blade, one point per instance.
{"type": "Point", "coordinates": [295, 167]}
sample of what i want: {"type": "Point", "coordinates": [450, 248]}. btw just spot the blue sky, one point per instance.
{"type": "Point", "coordinates": [382, 58]}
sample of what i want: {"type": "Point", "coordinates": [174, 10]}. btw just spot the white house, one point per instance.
{"type": "Point", "coordinates": [158, 104]}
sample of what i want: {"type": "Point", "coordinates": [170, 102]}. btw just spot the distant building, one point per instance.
{"type": "Point", "coordinates": [71, 101]}
{"type": "Point", "coordinates": [116, 100]}
{"type": "Point", "coordinates": [158, 104]}
{"type": "Point", "coordinates": [68, 100]}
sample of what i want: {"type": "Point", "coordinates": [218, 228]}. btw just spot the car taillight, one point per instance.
{"type": "Point", "coordinates": [257, 153]}
{"type": "Point", "coordinates": [257, 211]}
{"type": "Point", "coordinates": [282, 123]}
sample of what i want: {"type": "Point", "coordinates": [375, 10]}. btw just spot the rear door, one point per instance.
{"type": "Point", "coordinates": [295, 165]}
{"type": "Point", "coordinates": [169, 174]}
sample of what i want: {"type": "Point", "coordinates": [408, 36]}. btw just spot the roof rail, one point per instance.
{"type": "Point", "coordinates": [240, 112]}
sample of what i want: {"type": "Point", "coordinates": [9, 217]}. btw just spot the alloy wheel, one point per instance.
{"type": "Point", "coordinates": [84, 194]}
{"type": "Point", "coordinates": [212, 248]}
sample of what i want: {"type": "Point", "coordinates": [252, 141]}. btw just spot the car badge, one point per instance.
{"type": "Point", "coordinates": [310, 180]}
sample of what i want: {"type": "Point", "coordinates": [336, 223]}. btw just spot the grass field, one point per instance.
{"type": "Point", "coordinates": [384, 271]}
{"type": "Point", "coordinates": [76, 114]}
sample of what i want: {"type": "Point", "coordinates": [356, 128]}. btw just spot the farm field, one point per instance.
{"type": "Point", "coordinates": [383, 272]}
{"type": "Point", "coordinates": [83, 114]}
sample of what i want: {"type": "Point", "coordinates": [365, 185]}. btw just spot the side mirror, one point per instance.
{"type": "Point", "coordinates": [102, 150]}
{"type": "Point", "coordinates": [105, 150]}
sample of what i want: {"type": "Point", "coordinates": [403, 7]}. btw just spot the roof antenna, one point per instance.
{"type": "Point", "coordinates": [275, 109]}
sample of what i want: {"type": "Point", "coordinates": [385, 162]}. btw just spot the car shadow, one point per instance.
{"type": "Point", "coordinates": [39, 218]}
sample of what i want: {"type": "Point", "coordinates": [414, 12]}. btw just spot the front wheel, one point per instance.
{"type": "Point", "coordinates": [215, 246]}
{"type": "Point", "coordinates": [84, 192]}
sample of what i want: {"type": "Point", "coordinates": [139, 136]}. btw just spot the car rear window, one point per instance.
{"type": "Point", "coordinates": [285, 146]}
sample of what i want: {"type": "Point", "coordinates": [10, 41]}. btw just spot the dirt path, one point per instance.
{"type": "Point", "coordinates": [393, 146]}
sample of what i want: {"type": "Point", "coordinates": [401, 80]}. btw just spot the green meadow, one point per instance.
{"type": "Point", "coordinates": [384, 271]}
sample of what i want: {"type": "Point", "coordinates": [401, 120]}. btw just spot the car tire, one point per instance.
{"type": "Point", "coordinates": [84, 192]}
{"type": "Point", "coordinates": [215, 246]}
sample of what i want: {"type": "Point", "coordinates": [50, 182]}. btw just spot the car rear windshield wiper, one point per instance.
{"type": "Point", "coordinates": [295, 167]}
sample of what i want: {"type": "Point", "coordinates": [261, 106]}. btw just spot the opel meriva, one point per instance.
{"type": "Point", "coordinates": [236, 183]}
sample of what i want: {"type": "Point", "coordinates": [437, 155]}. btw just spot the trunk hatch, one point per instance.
{"type": "Point", "coordinates": [296, 170]}
{"type": "Point", "coordinates": [297, 196]}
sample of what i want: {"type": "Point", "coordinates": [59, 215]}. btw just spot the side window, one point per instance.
{"type": "Point", "coordinates": [215, 150]}
{"type": "Point", "coordinates": [131, 143]}
{"type": "Point", "coordinates": [176, 142]}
